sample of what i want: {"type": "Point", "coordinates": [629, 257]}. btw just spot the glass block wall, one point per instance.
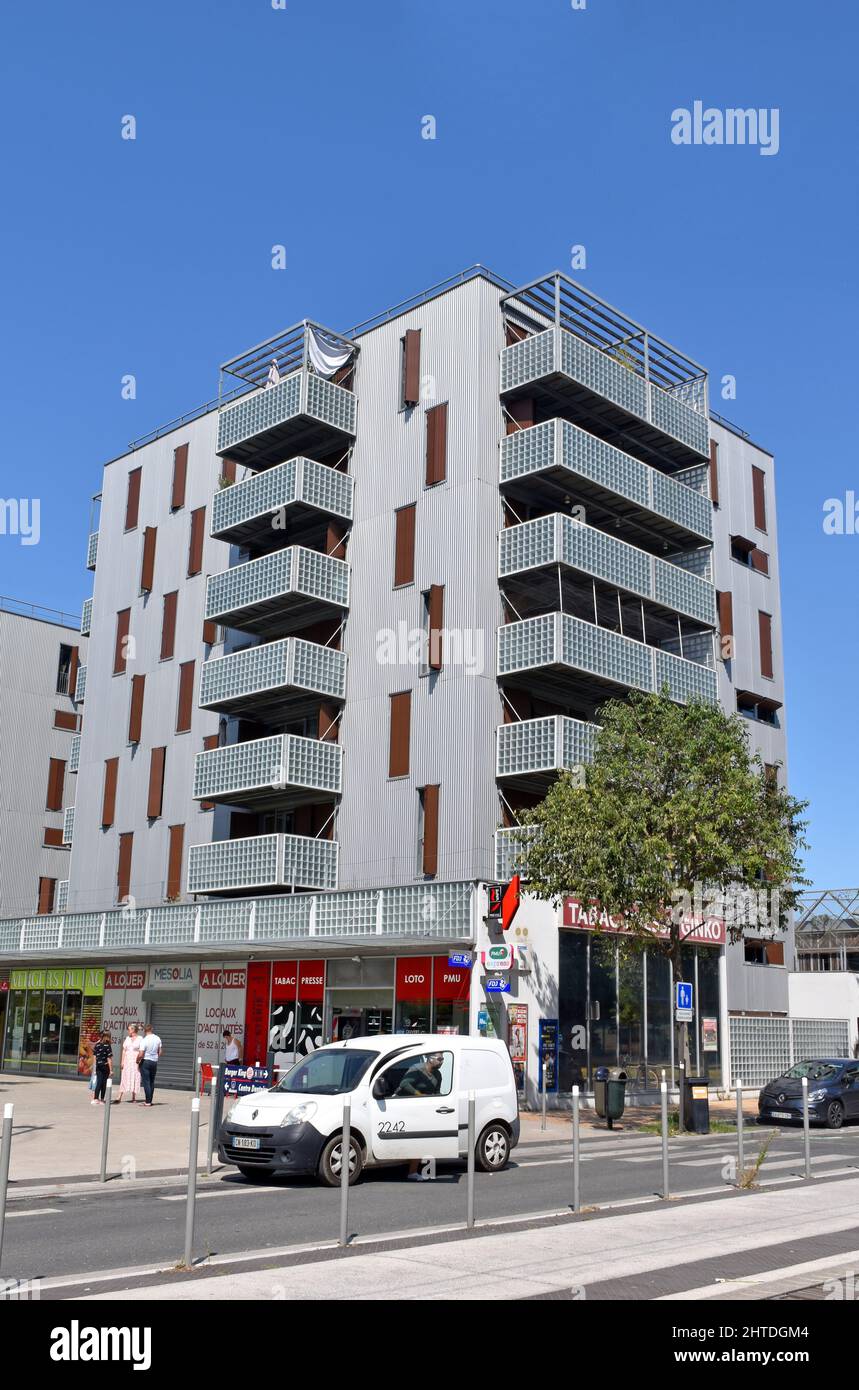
{"type": "Point", "coordinates": [80, 685]}
{"type": "Point", "coordinates": [533, 745]}
{"type": "Point", "coordinates": [289, 662]}
{"type": "Point", "coordinates": [528, 360]}
{"type": "Point", "coordinates": [251, 862]}
{"type": "Point", "coordinates": [282, 760]}
{"type": "Point", "coordinates": [92, 551]}
{"type": "Point", "coordinates": [332, 404]}
{"type": "Point", "coordinates": [509, 843]}
{"type": "Point", "coordinates": [259, 411]}
{"type": "Point", "coordinates": [262, 494]}
{"type": "Point", "coordinates": [86, 618]}
{"type": "Point", "coordinates": [273, 576]}
{"type": "Point", "coordinates": [603, 374]}
{"type": "Point", "coordinates": [680, 420]}
{"type": "Point", "coordinates": [75, 753]}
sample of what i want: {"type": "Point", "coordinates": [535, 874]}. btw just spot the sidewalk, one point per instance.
{"type": "Point", "coordinates": [57, 1132]}
{"type": "Point", "coordinates": [742, 1246]}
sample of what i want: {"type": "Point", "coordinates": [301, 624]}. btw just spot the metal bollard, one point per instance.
{"type": "Point", "coordinates": [543, 1102]}
{"type": "Point", "coordinates": [663, 1097]}
{"type": "Point", "coordinates": [806, 1127]}
{"type": "Point", "coordinates": [214, 1119]}
{"type": "Point", "coordinates": [345, 1156]}
{"type": "Point", "coordinates": [681, 1095]}
{"type": "Point", "coordinates": [190, 1209]}
{"type": "Point", "coordinates": [741, 1151]}
{"type": "Point", "coordinates": [5, 1155]}
{"type": "Point", "coordinates": [198, 1076]}
{"type": "Point", "coordinates": [577, 1150]}
{"type": "Point", "coordinates": [472, 1140]}
{"type": "Point", "coordinates": [105, 1132]}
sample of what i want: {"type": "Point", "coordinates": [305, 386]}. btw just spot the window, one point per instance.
{"type": "Point", "coordinates": [328, 1073]}
{"type": "Point", "coordinates": [436, 459]}
{"type": "Point", "coordinates": [47, 890]}
{"type": "Point", "coordinates": [186, 697]}
{"type": "Point", "coordinates": [108, 801]}
{"type": "Point", "coordinates": [404, 546]}
{"type": "Point", "coordinates": [195, 546]}
{"type": "Point", "coordinates": [746, 553]}
{"type": "Point", "coordinates": [123, 622]}
{"type": "Point", "coordinates": [147, 567]}
{"type": "Point", "coordinates": [760, 952]}
{"type": "Point", "coordinates": [758, 707]}
{"type": "Point", "coordinates": [428, 830]}
{"type": "Point", "coordinates": [132, 499]}
{"type": "Point", "coordinates": [135, 713]}
{"type": "Point", "coordinates": [714, 473]}
{"type": "Point", "coordinates": [66, 669]}
{"type": "Point", "coordinates": [765, 635]}
{"type": "Point", "coordinates": [759, 498]}
{"type": "Point", "coordinates": [424, 1075]}
{"type": "Point", "coordinates": [56, 784]}
{"type": "Point", "coordinates": [168, 625]}
{"type": "Point", "coordinates": [180, 473]}
{"type": "Point", "coordinates": [400, 731]}
{"type": "Point", "coordinates": [410, 388]}
{"type": "Point", "coordinates": [65, 719]}
{"type": "Point", "coordinates": [155, 800]}
{"type": "Point", "coordinates": [123, 867]}
{"type": "Point", "coordinates": [174, 861]}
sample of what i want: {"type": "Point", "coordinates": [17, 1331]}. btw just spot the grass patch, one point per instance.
{"type": "Point", "coordinates": [716, 1126]}
{"type": "Point", "coordinates": [749, 1176]}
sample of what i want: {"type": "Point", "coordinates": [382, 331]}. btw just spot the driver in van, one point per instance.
{"type": "Point", "coordinates": [424, 1078]}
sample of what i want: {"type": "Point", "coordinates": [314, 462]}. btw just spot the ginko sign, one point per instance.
{"type": "Point", "coordinates": [701, 931]}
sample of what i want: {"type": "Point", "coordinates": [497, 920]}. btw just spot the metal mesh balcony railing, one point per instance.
{"type": "Point", "coordinates": [263, 861]}
{"type": "Point", "coordinates": [295, 569]}
{"type": "Point", "coordinates": [299, 480]}
{"type": "Point", "coordinates": [561, 540]}
{"type": "Point", "coordinates": [289, 663]}
{"type": "Point", "coordinates": [266, 765]}
{"type": "Point", "coordinates": [558, 444]}
{"type": "Point", "coordinates": [543, 745]}
{"type": "Point", "coordinates": [558, 639]}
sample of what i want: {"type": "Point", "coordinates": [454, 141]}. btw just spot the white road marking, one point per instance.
{"type": "Point", "coordinates": [229, 1191]}
{"type": "Point", "coordinates": [39, 1211]}
{"type": "Point", "coordinates": [793, 1161]}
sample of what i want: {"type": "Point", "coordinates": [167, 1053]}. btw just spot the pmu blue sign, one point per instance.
{"type": "Point", "coordinates": [460, 960]}
{"type": "Point", "coordinates": [683, 997]}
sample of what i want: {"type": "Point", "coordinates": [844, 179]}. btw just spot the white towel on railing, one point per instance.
{"type": "Point", "coordinates": [326, 355]}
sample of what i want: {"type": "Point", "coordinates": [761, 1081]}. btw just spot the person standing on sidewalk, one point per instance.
{"type": "Point", "coordinates": [103, 1056]}
{"type": "Point", "coordinates": [149, 1055]}
{"type": "Point", "coordinates": [231, 1047]}
{"type": "Point", "coordinates": [129, 1081]}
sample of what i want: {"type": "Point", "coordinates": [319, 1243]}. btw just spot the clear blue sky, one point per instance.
{"type": "Point", "coordinates": [258, 126]}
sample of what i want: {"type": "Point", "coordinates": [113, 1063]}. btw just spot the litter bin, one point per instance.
{"type": "Point", "coordinates": [696, 1105]}
{"type": "Point", "coordinates": [609, 1093]}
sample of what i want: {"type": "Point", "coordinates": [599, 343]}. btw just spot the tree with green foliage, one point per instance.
{"type": "Point", "coordinates": [674, 821]}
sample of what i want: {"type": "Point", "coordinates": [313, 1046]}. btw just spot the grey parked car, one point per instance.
{"type": "Point", "coordinates": [833, 1093]}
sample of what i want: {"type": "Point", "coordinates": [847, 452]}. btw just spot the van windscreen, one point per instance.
{"type": "Point", "coordinates": [327, 1072]}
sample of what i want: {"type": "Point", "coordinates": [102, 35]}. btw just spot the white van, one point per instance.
{"type": "Point", "coordinates": [409, 1101]}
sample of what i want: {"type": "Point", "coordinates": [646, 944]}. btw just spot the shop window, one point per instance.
{"type": "Point", "coordinates": [451, 986]}
{"type": "Point", "coordinates": [424, 1076]}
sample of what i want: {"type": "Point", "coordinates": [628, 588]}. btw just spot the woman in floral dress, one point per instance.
{"type": "Point", "coordinates": [129, 1082]}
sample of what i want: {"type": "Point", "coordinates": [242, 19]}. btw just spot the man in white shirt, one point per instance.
{"type": "Point", "coordinates": [149, 1054]}
{"type": "Point", "coordinates": [231, 1047]}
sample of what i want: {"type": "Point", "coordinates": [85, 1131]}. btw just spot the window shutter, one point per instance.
{"type": "Point", "coordinates": [412, 367]}
{"type": "Point", "coordinates": [186, 697]}
{"type": "Point", "coordinates": [56, 784]}
{"type": "Point", "coordinates": [335, 544]}
{"type": "Point", "coordinates": [327, 726]}
{"type": "Point", "coordinates": [155, 800]}
{"type": "Point", "coordinates": [168, 625]}
{"type": "Point", "coordinates": [430, 854]}
{"type": "Point", "coordinates": [147, 569]}
{"type": "Point", "coordinates": [74, 662]}
{"type": "Point", "coordinates": [123, 622]}
{"type": "Point", "coordinates": [401, 719]}
{"type": "Point", "coordinates": [47, 887]}
{"type": "Point", "coordinates": [210, 632]}
{"type": "Point", "coordinates": [436, 623]}
{"type": "Point", "coordinates": [228, 470]}
{"type": "Point", "coordinates": [714, 473]}
{"type": "Point", "coordinates": [64, 719]}
{"type": "Point", "coordinates": [53, 838]}
{"type": "Point", "coordinates": [195, 548]}
{"type": "Point", "coordinates": [404, 546]}
{"type": "Point", "coordinates": [174, 861]}
{"type": "Point", "coordinates": [123, 871]}
{"type": "Point", "coordinates": [759, 498]}
{"type": "Point", "coordinates": [760, 561]}
{"type": "Point", "coordinates": [774, 952]}
{"type": "Point", "coordinates": [108, 801]}
{"type": "Point", "coordinates": [180, 473]}
{"type": "Point", "coordinates": [765, 624]}
{"type": "Point", "coordinates": [135, 715]}
{"type": "Point", "coordinates": [726, 613]}
{"type": "Point", "coordinates": [132, 499]}
{"type": "Point", "coordinates": [436, 461]}
{"type": "Point", "coordinates": [210, 741]}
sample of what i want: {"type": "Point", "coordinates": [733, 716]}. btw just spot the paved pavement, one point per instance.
{"type": "Point", "coordinates": [752, 1245]}
{"type": "Point", "coordinates": [57, 1132]}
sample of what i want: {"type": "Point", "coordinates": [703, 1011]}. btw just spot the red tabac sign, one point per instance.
{"type": "Point", "coordinates": [700, 931]}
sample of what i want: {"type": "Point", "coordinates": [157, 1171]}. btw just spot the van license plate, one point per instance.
{"type": "Point", "coordinates": [781, 1114]}
{"type": "Point", "coordinates": [244, 1141]}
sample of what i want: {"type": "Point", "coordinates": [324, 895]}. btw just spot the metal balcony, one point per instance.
{"type": "Point", "coordinates": [292, 407]}
{"type": "Point", "coordinates": [588, 356]}
{"type": "Point", "coordinates": [80, 686]}
{"type": "Point", "coordinates": [244, 512]}
{"type": "Point", "coordinates": [557, 457]}
{"type": "Point", "coordinates": [510, 843]}
{"type": "Point", "coordinates": [264, 681]}
{"type": "Point", "coordinates": [560, 540]}
{"type": "Point", "coordinates": [282, 770]}
{"type": "Point", "coordinates": [262, 862]}
{"type": "Point", "coordinates": [278, 592]}
{"type": "Point", "coordinates": [86, 617]}
{"type": "Point", "coordinates": [530, 752]}
{"type": "Point", "coordinates": [75, 754]}
{"type": "Point", "coordinates": [92, 551]}
{"type": "Point", "coordinates": [554, 652]}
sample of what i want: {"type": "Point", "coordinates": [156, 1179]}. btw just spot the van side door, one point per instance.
{"type": "Point", "coordinates": [413, 1108]}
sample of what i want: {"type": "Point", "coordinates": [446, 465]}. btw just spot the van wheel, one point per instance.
{"type": "Point", "coordinates": [331, 1159]}
{"type": "Point", "coordinates": [493, 1149]}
